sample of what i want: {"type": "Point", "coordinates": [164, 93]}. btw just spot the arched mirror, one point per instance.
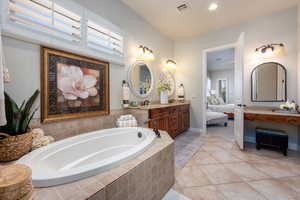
{"type": "Point", "coordinates": [140, 78]}
{"type": "Point", "coordinates": [268, 83]}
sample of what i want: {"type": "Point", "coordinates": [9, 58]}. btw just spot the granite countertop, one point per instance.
{"type": "Point", "coordinates": [267, 111]}
{"type": "Point", "coordinates": [156, 106]}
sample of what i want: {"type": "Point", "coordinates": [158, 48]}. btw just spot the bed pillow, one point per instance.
{"type": "Point", "coordinates": [214, 100]}
{"type": "Point", "coordinates": [221, 101]}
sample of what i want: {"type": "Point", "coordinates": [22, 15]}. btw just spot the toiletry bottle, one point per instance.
{"type": "Point", "coordinates": [126, 93]}
{"type": "Point", "coordinates": [180, 93]}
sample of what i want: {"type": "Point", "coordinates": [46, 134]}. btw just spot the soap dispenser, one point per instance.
{"type": "Point", "coordinates": [180, 93]}
{"type": "Point", "coordinates": [126, 94]}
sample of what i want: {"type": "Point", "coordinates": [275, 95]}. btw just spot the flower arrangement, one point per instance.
{"type": "Point", "coordinates": [163, 84]}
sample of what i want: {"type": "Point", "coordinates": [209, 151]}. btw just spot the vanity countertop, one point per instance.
{"type": "Point", "coordinates": [267, 111]}
{"type": "Point", "coordinates": [157, 106]}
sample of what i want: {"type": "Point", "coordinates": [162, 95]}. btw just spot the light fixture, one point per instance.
{"type": "Point", "coordinates": [270, 50]}
{"type": "Point", "coordinates": [170, 64]}
{"type": "Point", "coordinates": [145, 53]}
{"type": "Point", "coordinates": [213, 7]}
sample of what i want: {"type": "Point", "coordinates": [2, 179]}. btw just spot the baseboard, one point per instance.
{"type": "Point", "coordinates": [198, 130]}
{"type": "Point", "coordinates": [292, 146]}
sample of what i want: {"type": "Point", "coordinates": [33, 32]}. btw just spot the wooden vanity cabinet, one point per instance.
{"type": "Point", "coordinates": [174, 119]}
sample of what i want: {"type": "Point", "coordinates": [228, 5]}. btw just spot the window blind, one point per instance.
{"type": "Point", "coordinates": [48, 16]}
{"type": "Point", "coordinates": [100, 38]}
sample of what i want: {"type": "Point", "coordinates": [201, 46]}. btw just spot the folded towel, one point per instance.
{"type": "Point", "coordinates": [126, 121]}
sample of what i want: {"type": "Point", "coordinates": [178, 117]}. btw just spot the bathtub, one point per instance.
{"type": "Point", "coordinates": [85, 155]}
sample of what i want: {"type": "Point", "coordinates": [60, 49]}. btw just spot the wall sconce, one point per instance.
{"type": "Point", "coordinates": [170, 64]}
{"type": "Point", "coordinates": [145, 53]}
{"type": "Point", "coordinates": [270, 50]}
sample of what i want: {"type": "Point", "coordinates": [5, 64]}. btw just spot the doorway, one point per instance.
{"type": "Point", "coordinates": [220, 94]}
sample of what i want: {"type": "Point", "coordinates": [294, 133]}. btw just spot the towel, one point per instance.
{"type": "Point", "coordinates": [4, 78]}
{"type": "Point", "coordinates": [126, 121]}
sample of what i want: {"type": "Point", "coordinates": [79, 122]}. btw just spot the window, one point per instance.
{"type": "Point", "coordinates": [48, 16]}
{"type": "Point", "coordinates": [62, 24]}
{"type": "Point", "coordinates": [100, 38]}
{"type": "Point", "coordinates": [223, 89]}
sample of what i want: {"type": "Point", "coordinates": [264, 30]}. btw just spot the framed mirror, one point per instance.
{"type": "Point", "coordinates": [268, 83]}
{"type": "Point", "coordinates": [140, 79]}
{"type": "Point", "coordinates": [168, 77]}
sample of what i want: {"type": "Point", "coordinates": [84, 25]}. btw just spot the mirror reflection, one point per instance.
{"type": "Point", "coordinates": [168, 78]}
{"type": "Point", "coordinates": [268, 83]}
{"type": "Point", "coordinates": [140, 79]}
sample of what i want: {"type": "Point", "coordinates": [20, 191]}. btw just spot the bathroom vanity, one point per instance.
{"type": "Point", "coordinates": [265, 114]}
{"type": "Point", "coordinates": [173, 118]}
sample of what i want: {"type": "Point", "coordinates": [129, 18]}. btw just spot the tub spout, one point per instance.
{"type": "Point", "coordinates": [155, 127]}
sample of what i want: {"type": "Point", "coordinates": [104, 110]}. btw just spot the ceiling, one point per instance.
{"type": "Point", "coordinates": [197, 20]}
{"type": "Point", "coordinates": [220, 60]}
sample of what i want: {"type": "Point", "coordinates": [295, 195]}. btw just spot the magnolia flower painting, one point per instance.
{"type": "Point", "coordinates": [75, 83]}
{"type": "Point", "coordinates": [75, 86]}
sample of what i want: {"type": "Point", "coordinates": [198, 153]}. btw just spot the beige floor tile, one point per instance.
{"type": "Point", "coordinates": [292, 182]}
{"type": "Point", "coordinates": [274, 190]}
{"type": "Point", "coordinates": [248, 156]}
{"type": "Point", "coordinates": [246, 171]}
{"type": "Point", "coordinates": [218, 174]}
{"type": "Point", "coordinates": [225, 157]}
{"type": "Point", "coordinates": [270, 154]}
{"type": "Point", "coordinates": [202, 158]}
{"type": "Point", "coordinates": [210, 147]}
{"type": "Point", "coordinates": [203, 193]}
{"type": "Point", "coordinates": [289, 165]}
{"type": "Point", "coordinates": [191, 177]}
{"type": "Point", "coordinates": [239, 191]}
{"type": "Point", "coordinates": [272, 169]}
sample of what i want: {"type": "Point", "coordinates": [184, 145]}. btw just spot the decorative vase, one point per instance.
{"type": "Point", "coordinates": [164, 97]}
{"type": "Point", "coordinates": [14, 147]}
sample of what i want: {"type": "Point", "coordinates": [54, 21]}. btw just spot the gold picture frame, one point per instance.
{"type": "Point", "coordinates": [72, 86]}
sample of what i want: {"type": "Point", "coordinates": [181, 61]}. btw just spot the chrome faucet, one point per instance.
{"type": "Point", "coordinates": [155, 129]}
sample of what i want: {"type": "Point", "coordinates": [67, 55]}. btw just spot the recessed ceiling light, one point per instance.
{"type": "Point", "coordinates": [213, 6]}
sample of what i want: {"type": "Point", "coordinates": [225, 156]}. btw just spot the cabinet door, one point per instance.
{"type": "Point", "coordinates": [186, 120]}
{"type": "Point", "coordinates": [163, 124]}
{"type": "Point", "coordinates": [173, 125]}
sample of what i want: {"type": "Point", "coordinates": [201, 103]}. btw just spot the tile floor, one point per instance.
{"type": "Point", "coordinates": [220, 171]}
{"type": "Point", "coordinates": [186, 145]}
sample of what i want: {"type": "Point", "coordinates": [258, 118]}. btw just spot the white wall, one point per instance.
{"type": "Point", "coordinates": [224, 74]}
{"type": "Point", "coordinates": [23, 58]}
{"type": "Point", "coordinates": [280, 27]}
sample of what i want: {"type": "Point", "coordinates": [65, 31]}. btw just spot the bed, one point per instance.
{"type": "Point", "coordinates": [213, 118]}
{"type": "Point", "coordinates": [228, 109]}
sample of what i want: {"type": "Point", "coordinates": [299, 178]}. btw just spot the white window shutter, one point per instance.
{"type": "Point", "coordinates": [45, 14]}
{"type": "Point", "coordinates": [100, 38]}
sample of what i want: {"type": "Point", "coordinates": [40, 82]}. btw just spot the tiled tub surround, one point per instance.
{"type": "Point", "coordinates": [68, 128]}
{"type": "Point", "coordinates": [148, 176]}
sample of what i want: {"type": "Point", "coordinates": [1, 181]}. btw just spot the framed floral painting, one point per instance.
{"type": "Point", "coordinates": [73, 86]}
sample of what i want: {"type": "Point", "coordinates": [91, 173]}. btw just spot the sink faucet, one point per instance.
{"type": "Point", "coordinates": [155, 129]}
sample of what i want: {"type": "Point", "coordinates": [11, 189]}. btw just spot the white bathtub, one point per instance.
{"type": "Point", "coordinates": [85, 155]}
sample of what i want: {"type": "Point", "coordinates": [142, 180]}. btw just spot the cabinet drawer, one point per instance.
{"type": "Point", "coordinates": [157, 113]}
{"type": "Point", "coordinates": [184, 107]}
{"type": "Point", "coordinates": [173, 110]}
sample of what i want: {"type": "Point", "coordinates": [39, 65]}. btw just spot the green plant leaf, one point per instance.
{"type": "Point", "coordinates": [18, 119]}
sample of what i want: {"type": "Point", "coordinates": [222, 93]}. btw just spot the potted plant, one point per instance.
{"type": "Point", "coordinates": [164, 87]}
{"type": "Point", "coordinates": [15, 136]}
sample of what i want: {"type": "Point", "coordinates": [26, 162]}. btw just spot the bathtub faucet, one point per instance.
{"type": "Point", "coordinates": [155, 128]}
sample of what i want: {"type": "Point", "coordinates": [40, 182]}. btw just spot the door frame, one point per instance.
{"type": "Point", "coordinates": [204, 78]}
